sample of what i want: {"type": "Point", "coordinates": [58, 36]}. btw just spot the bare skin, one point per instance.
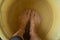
{"type": "Point", "coordinates": [23, 19]}
{"type": "Point", "coordinates": [34, 20]}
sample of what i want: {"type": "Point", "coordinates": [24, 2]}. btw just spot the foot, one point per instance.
{"type": "Point", "coordinates": [35, 22]}
{"type": "Point", "coordinates": [23, 19]}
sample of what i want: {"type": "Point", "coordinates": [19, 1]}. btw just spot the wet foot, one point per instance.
{"type": "Point", "coordinates": [35, 22]}
{"type": "Point", "coordinates": [23, 19]}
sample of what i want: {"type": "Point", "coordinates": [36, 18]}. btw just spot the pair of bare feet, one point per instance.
{"type": "Point", "coordinates": [34, 23]}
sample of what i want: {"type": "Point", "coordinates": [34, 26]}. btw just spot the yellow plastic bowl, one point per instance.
{"type": "Point", "coordinates": [49, 11]}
